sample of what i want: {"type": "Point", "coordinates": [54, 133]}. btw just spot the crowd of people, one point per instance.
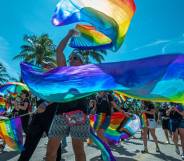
{"type": "Point", "coordinates": [59, 120]}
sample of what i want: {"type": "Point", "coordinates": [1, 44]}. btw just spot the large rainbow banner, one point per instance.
{"type": "Point", "coordinates": [158, 78]}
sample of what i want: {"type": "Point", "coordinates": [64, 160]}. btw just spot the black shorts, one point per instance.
{"type": "Point", "coordinates": [174, 124]}
{"type": "Point", "coordinates": [165, 124]}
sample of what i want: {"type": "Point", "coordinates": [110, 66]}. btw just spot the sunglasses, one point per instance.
{"type": "Point", "coordinates": [74, 58]}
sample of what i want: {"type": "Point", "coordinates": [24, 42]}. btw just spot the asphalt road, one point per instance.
{"type": "Point", "coordinates": [127, 151]}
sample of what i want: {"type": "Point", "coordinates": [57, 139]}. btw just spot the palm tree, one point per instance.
{"type": "Point", "coordinates": [38, 50]}
{"type": "Point", "coordinates": [4, 77]}
{"type": "Point", "coordinates": [97, 55]}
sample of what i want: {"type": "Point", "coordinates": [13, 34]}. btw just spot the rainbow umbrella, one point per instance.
{"type": "Point", "coordinates": [13, 88]}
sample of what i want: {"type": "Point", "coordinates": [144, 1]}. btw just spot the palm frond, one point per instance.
{"type": "Point", "coordinates": [37, 49]}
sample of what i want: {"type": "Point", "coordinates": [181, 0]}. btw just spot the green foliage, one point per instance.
{"type": "Point", "coordinates": [38, 50]}
{"type": "Point", "coordinates": [97, 55]}
{"type": "Point", "coordinates": [4, 77]}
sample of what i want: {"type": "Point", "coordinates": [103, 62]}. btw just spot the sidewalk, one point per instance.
{"type": "Point", "coordinates": [128, 151]}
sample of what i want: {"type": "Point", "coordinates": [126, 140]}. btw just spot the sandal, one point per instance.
{"type": "Point", "coordinates": [144, 151]}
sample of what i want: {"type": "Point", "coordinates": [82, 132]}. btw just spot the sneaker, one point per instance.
{"type": "Point", "coordinates": [167, 142]}
{"type": "Point", "coordinates": [177, 150]}
{"type": "Point", "coordinates": [157, 149]}
{"type": "Point", "coordinates": [144, 151]}
{"type": "Point", "coordinates": [182, 156]}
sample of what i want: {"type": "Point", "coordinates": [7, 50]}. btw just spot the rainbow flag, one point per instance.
{"type": "Point", "coordinates": [2, 106]}
{"type": "Point", "coordinates": [109, 21]}
{"type": "Point", "coordinates": [120, 127]}
{"type": "Point", "coordinates": [11, 132]}
{"type": "Point", "coordinates": [144, 120]}
{"type": "Point", "coordinates": [105, 149]}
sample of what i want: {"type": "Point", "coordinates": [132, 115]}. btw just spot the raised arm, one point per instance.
{"type": "Point", "coordinates": [60, 57]}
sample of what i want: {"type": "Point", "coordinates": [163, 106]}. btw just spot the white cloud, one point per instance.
{"type": "Point", "coordinates": [173, 43]}
{"type": "Point", "coordinates": [166, 45]}
{"type": "Point", "coordinates": [151, 44]}
{"type": "Point", "coordinates": [157, 42]}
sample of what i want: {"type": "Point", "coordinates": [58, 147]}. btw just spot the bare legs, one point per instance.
{"type": "Point", "coordinates": [144, 137]}
{"type": "Point", "coordinates": [78, 147]}
{"type": "Point", "coordinates": [52, 147]}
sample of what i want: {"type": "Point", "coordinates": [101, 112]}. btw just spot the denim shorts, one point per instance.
{"type": "Point", "coordinates": [152, 124]}
{"type": "Point", "coordinates": [60, 129]}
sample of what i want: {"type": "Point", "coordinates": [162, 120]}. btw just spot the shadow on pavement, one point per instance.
{"type": "Point", "coordinates": [164, 157]}
{"type": "Point", "coordinates": [122, 151]}
{"type": "Point", "coordinates": [97, 158]}
{"type": "Point", "coordinates": [161, 142]}
{"type": "Point", "coordinates": [125, 159]}
{"type": "Point", "coordinates": [117, 159]}
{"type": "Point", "coordinates": [8, 155]}
{"type": "Point", "coordinates": [132, 142]}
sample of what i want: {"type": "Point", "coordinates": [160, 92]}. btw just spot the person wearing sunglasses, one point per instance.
{"type": "Point", "coordinates": [71, 117]}
{"type": "Point", "coordinates": [176, 114]}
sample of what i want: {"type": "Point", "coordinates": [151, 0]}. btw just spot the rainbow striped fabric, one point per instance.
{"type": "Point", "coordinates": [13, 88]}
{"type": "Point", "coordinates": [120, 127]}
{"type": "Point", "coordinates": [2, 105]}
{"type": "Point", "coordinates": [11, 132]}
{"type": "Point", "coordinates": [158, 78]}
{"type": "Point", "coordinates": [105, 149]}
{"type": "Point", "coordinates": [144, 120]}
{"type": "Point", "coordinates": [110, 20]}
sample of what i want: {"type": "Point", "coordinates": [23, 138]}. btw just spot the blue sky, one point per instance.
{"type": "Point", "coordinates": [156, 28]}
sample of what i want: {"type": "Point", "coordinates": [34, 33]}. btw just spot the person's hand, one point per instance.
{"type": "Point", "coordinates": [41, 108]}
{"type": "Point", "coordinates": [127, 114]}
{"type": "Point", "coordinates": [91, 103]}
{"type": "Point", "coordinates": [175, 109]}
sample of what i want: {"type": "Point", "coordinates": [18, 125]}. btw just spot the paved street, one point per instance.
{"type": "Point", "coordinates": [128, 151]}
